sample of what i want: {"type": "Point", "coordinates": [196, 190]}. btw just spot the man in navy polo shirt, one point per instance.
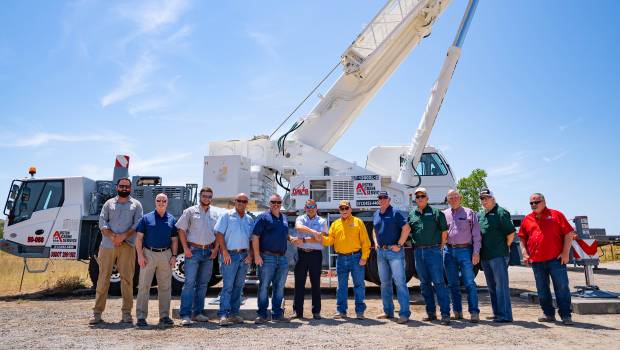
{"type": "Point", "coordinates": [390, 232]}
{"type": "Point", "coordinates": [156, 234]}
{"type": "Point", "coordinates": [269, 242]}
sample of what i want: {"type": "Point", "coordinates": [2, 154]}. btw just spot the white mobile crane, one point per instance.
{"type": "Point", "coordinates": [299, 160]}
{"type": "Point", "coordinates": [57, 217]}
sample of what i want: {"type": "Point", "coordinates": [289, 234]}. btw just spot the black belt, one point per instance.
{"type": "Point", "coordinates": [426, 246]}
{"type": "Point", "coordinates": [305, 250]}
{"type": "Point", "coordinates": [202, 246]}
{"type": "Point", "coordinates": [347, 254]}
{"type": "Point", "coordinates": [466, 245]}
{"type": "Point", "coordinates": [388, 246]}
{"type": "Point", "coordinates": [267, 252]}
{"type": "Point", "coordinates": [237, 250]}
{"type": "Point", "coordinates": [157, 250]}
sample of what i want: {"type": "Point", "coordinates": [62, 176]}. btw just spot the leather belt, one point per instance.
{"type": "Point", "coordinates": [157, 250]}
{"type": "Point", "coordinates": [466, 245]}
{"type": "Point", "coordinates": [306, 250]}
{"type": "Point", "coordinates": [267, 252]}
{"type": "Point", "coordinates": [388, 246]}
{"type": "Point", "coordinates": [202, 246]}
{"type": "Point", "coordinates": [237, 250]}
{"type": "Point", "coordinates": [347, 254]}
{"type": "Point", "coordinates": [417, 246]}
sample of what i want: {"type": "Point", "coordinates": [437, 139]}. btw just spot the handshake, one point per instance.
{"type": "Point", "coordinates": [316, 237]}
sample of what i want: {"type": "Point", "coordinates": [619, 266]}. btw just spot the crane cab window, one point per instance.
{"type": "Point", "coordinates": [35, 196]}
{"type": "Point", "coordinates": [431, 165]}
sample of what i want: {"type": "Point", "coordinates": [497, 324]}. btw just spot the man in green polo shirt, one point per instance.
{"type": "Point", "coordinates": [497, 234]}
{"type": "Point", "coordinates": [429, 231]}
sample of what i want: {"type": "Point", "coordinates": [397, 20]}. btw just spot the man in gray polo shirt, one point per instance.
{"type": "Point", "coordinates": [118, 220]}
{"type": "Point", "coordinates": [197, 234]}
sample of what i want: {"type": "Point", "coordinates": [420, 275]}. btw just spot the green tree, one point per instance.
{"type": "Point", "coordinates": [469, 188]}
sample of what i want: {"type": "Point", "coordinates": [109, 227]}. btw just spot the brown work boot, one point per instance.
{"type": "Point", "coordinates": [475, 318]}
{"type": "Point", "coordinates": [457, 315]}
{"type": "Point", "coordinates": [385, 317]}
{"type": "Point", "coordinates": [430, 318]}
{"type": "Point", "coordinates": [95, 319]}
{"type": "Point", "coordinates": [127, 318]}
{"type": "Point", "coordinates": [546, 318]}
{"type": "Point", "coordinates": [402, 320]}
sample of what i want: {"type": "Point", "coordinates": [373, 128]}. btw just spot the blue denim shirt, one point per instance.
{"type": "Point", "coordinates": [236, 230]}
{"type": "Point", "coordinates": [317, 223]}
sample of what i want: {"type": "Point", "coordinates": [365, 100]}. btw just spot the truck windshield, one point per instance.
{"type": "Point", "coordinates": [34, 196]}
{"type": "Point", "coordinates": [431, 165]}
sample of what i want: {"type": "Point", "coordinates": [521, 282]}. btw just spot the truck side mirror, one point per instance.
{"type": "Point", "coordinates": [9, 205]}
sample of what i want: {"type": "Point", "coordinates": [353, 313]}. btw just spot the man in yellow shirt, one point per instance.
{"type": "Point", "coordinates": [352, 244]}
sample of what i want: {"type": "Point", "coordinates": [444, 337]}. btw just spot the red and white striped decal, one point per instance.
{"type": "Point", "coordinates": [585, 249]}
{"type": "Point", "coordinates": [122, 161]}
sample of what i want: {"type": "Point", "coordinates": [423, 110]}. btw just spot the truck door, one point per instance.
{"type": "Point", "coordinates": [36, 207]}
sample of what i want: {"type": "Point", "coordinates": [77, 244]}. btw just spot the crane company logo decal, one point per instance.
{"type": "Point", "coordinates": [64, 245]}
{"type": "Point", "coordinates": [300, 190]}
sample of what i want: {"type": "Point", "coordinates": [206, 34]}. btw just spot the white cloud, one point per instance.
{"type": "Point", "coordinates": [148, 164]}
{"type": "Point", "coordinates": [266, 42]}
{"type": "Point", "coordinates": [554, 157]}
{"type": "Point", "coordinates": [513, 168]}
{"type": "Point", "coordinates": [150, 16]}
{"type": "Point", "coordinates": [132, 82]}
{"type": "Point", "coordinates": [42, 139]}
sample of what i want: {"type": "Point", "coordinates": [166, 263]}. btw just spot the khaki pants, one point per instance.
{"type": "Point", "coordinates": [125, 258]}
{"type": "Point", "coordinates": [157, 263]}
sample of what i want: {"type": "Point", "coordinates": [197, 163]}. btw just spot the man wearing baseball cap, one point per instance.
{"type": "Point", "coordinates": [351, 242]}
{"type": "Point", "coordinates": [309, 229]}
{"type": "Point", "coordinates": [429, 231]}
{"type": "Point", "coordinates": [390, 232]}
{"type": "Point", "coordinates": [497, 233]}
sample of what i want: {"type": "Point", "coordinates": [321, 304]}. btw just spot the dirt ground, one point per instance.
{"type": "Point", "coordinates": [62, 323]}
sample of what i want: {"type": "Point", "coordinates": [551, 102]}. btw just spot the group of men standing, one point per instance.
{"type": "Point", "coordinates": [452, 241]}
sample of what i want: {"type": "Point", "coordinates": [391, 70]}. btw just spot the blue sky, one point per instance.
{"type": "Point", "coordinates": [534, 99]}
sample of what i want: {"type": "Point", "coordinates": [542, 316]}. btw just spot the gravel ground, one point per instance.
{"type": "Point", "coordinates": [62, 323]}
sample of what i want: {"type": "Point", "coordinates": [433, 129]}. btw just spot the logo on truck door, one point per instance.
{"type": "Point", "coordinates": [300, 190]}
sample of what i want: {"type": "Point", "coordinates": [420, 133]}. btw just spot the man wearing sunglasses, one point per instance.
{"type": "Point", "coordinates": [350, 238]}
{"type": "Point", "coordinates": [309, 228]}
{"type": "Point", "coordinates": [429, 231]}
{"type": "Point", "coordinates": [269, 242]}
{"type": "Point", "coordinates": [462, 253]}
{"type": "Point", "coordinates": [118, 221]}
{"type": "Point", "coordinates": [156, 246]}
{"type": "Point", "coordinates": [497, 232]}
{"type": "Point", "coordinates": [390, 232]}
{"type": "Point", "coordinates": [197, 234]}
{"type": "Point", "coordinates": [546, 238]}
{"type": "Point", "coordinates": [233, 233]}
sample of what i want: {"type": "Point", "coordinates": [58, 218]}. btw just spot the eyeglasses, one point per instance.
{"type": "Point", "coordinates": [275, 202]}
{"type": "Point", "coordinates": [208, 196]}
{"type": "Point", "coordinates": [310, 206]}
{"type": "Point", "coordinates": [344, 208]}
{"type": "Point", "coordinates": [420, 197]}
{"type": "Point", "coordinates": [124, 186]}
{"type": "Point", "coordinates": [161, 201]}
{"type": "Point", "coordinates": [535, 202]}
{"type": "Point", "coordinates": [242, 201]}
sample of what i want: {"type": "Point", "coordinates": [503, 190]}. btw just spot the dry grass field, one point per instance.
{"type": "Point", "coordinates": [58, 272]}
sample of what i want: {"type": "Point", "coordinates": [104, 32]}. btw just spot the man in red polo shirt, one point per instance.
{"type": "Point", "coordinates": [546, 238]}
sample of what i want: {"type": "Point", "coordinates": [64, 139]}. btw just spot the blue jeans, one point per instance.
{"type": "Point", "coordinates": [392, 267]}
{"type": "Point", "coordinates": [273, 272]}
{"type": "Point", "coordinates": [198, 271]}
{"type": "Point", "coordinates": [496, 274]}
{"type": "Point", "coordinates": [429, 265]}
{"type": "Point", "coordinates": [346, 264]}
{"type": "Point", "coordinates": [559, 277]}
{"type": "Point", "coordinates": [233, 277]}
{"type": "Point", "coordinates": [456, 259]}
